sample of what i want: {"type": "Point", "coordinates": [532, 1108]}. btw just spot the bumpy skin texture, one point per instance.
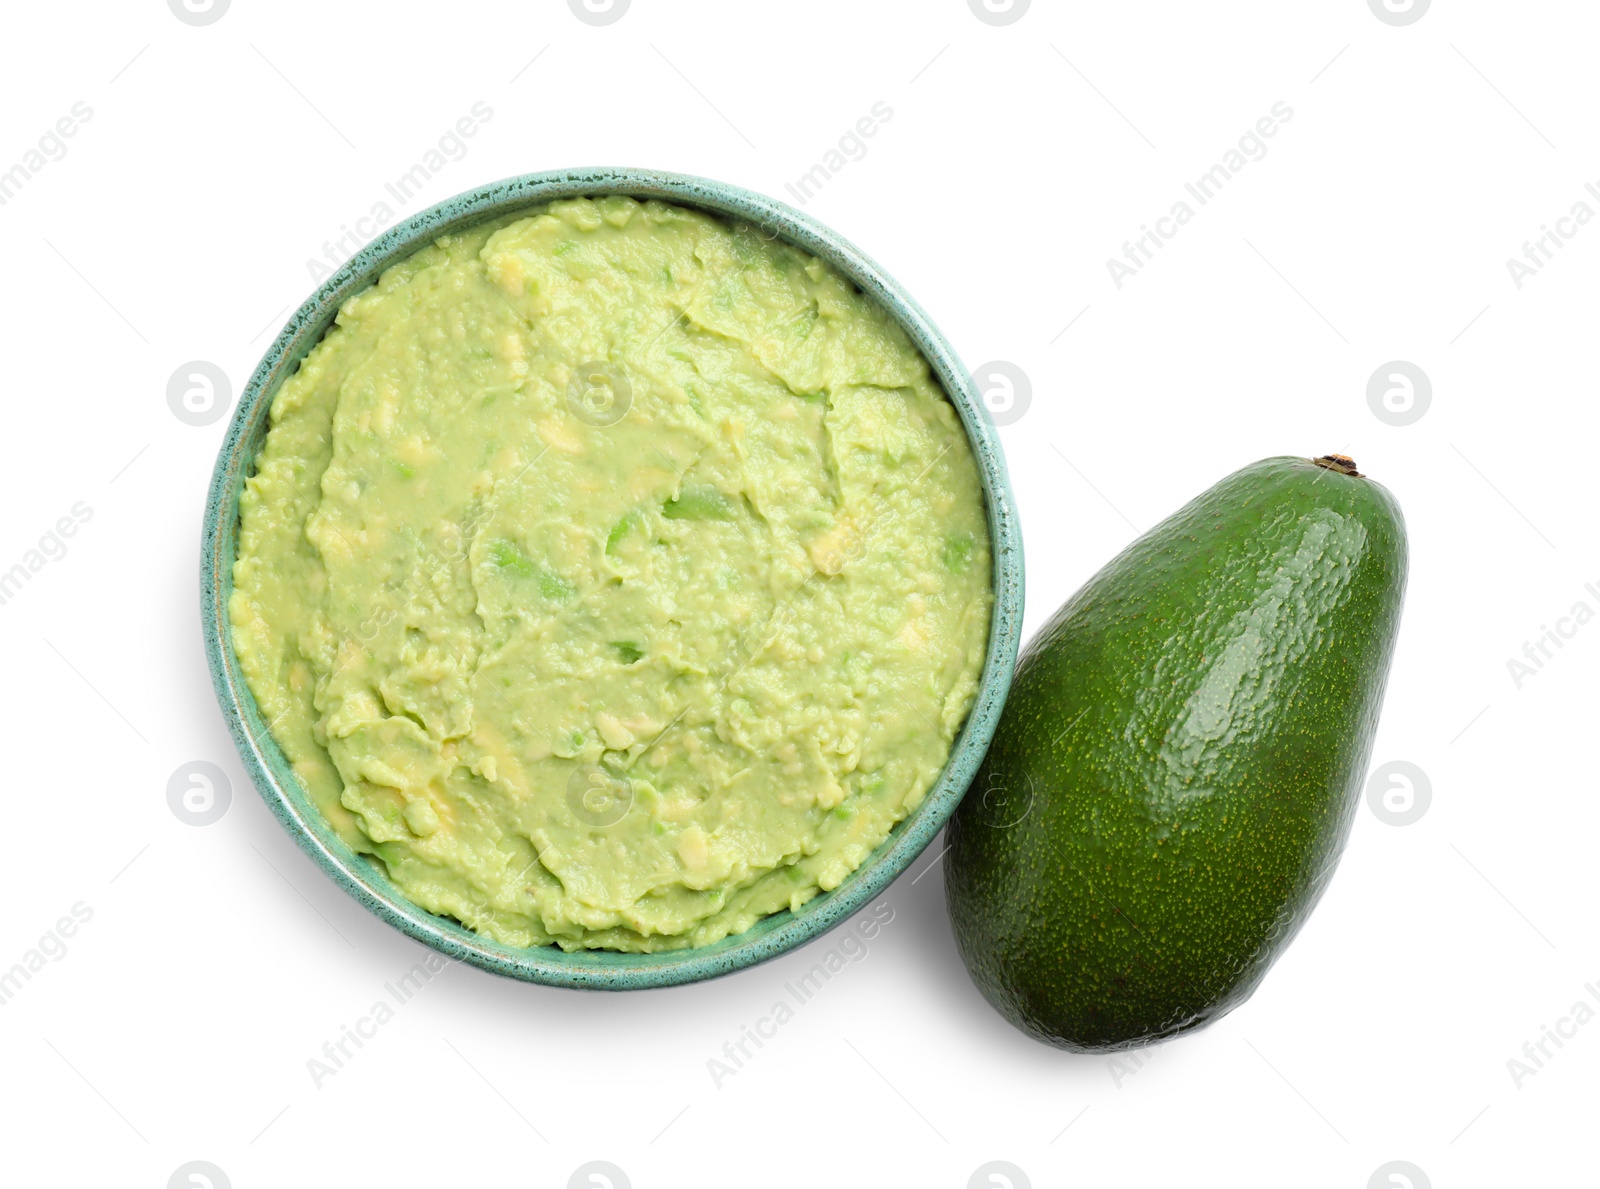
{"type": "Point", "coordinates": [1179, 761]}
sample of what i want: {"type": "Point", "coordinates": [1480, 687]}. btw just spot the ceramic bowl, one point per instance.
{"type": "Point", "coordinates": [364, 878]}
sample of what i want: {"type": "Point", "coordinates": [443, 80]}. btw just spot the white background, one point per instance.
{"type": "Point", "coordinates": [218, 960]}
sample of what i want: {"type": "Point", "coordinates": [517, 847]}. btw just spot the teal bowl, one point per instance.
{"type": "Point", "coordinates": [365, 879]}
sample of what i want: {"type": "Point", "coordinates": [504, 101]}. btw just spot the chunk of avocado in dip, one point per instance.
{"type": "Point", "coordinates": [614, 574]}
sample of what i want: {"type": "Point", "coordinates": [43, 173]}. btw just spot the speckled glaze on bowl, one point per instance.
{"type": "Point", "coordinates": [364, 878]}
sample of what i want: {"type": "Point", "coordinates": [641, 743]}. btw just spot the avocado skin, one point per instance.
{"type": "Point", "coordinates": [1179, 761]}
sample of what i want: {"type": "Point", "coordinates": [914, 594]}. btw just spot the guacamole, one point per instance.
{"type": "Point", "coordinates": [615, 575]}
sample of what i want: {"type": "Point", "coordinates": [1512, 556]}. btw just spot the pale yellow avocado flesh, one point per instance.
{"type": "Point", "coordinates": [751, 614]}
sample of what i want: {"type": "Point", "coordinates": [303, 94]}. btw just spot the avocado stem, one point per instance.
{"type": "Point", "coordinates": [1342, 463]}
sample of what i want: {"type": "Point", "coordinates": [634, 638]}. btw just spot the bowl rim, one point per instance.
{"type": "Point", "coordinates": [363, 878]}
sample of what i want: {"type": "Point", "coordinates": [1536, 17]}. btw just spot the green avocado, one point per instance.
{"type": "Point", "coordinates": [1179, 761]}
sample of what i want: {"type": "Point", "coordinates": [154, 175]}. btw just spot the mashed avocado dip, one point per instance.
{"type": "Point", "coordinates": [614, 574]}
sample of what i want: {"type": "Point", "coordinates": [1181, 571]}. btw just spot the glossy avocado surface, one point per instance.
{"type": "Point", "coordinates": [1177, 767]}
